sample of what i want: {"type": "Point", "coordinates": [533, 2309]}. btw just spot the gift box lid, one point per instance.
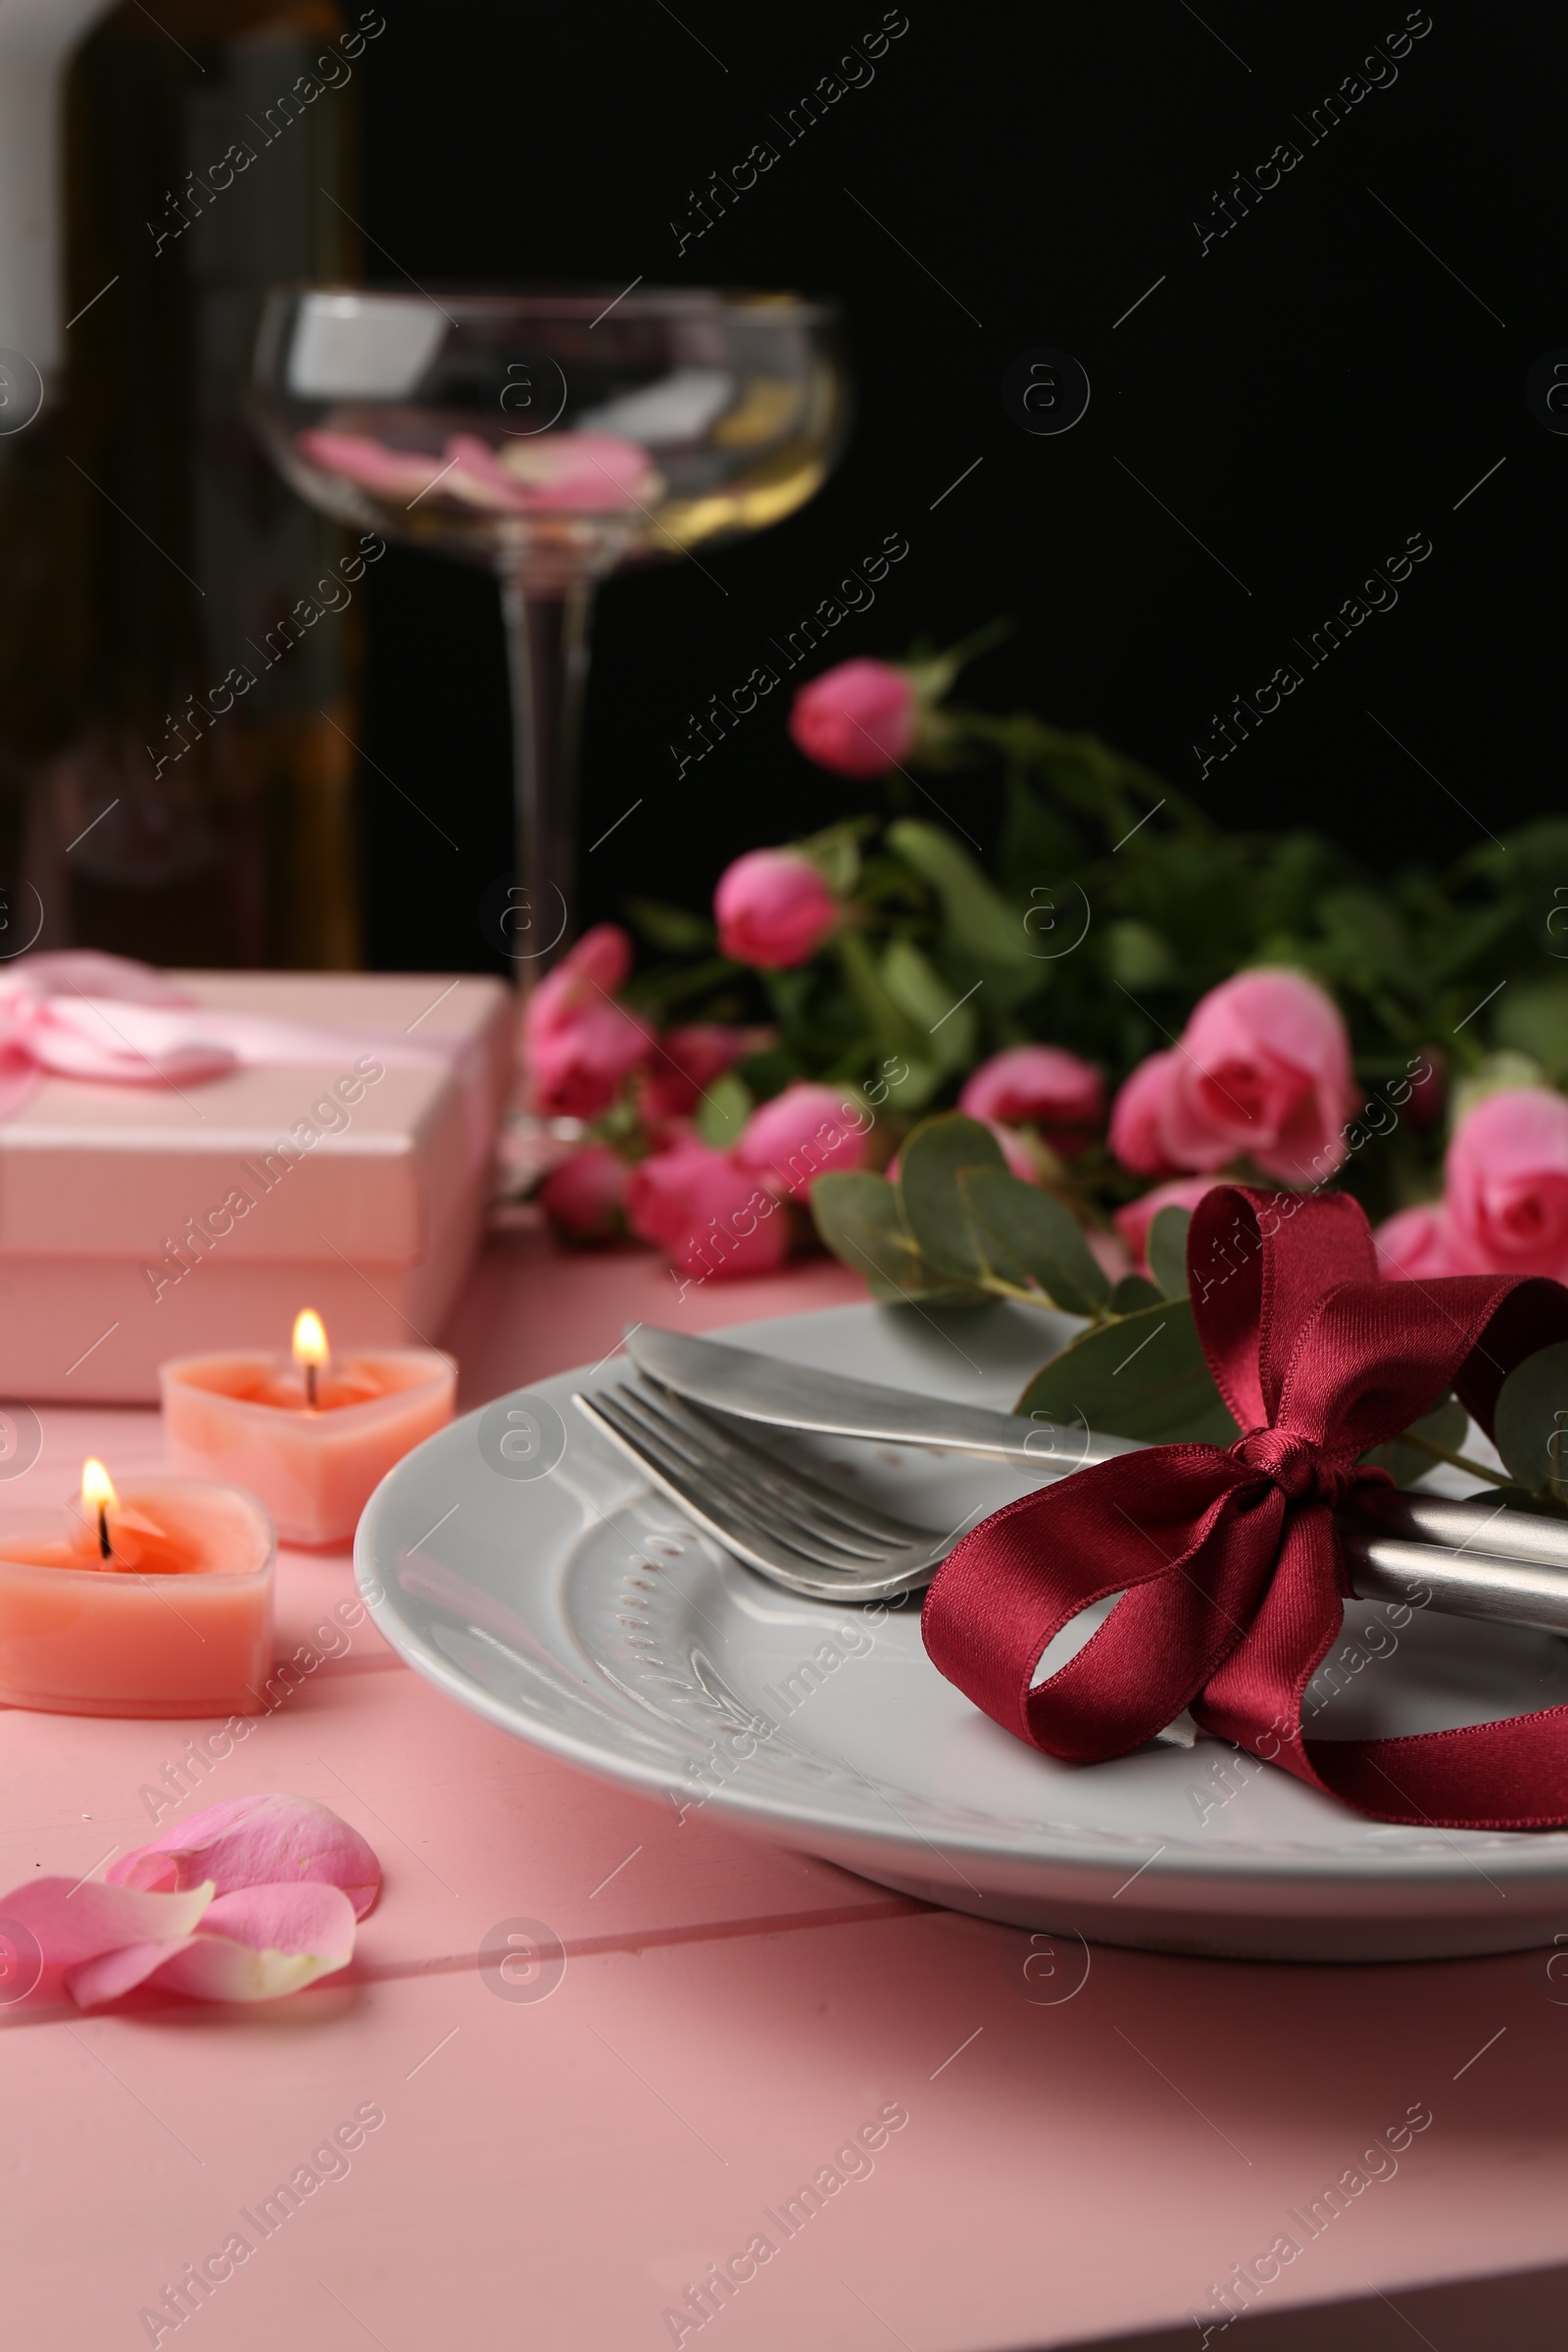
{"type": "Point", "coordinates": [362, 1142]}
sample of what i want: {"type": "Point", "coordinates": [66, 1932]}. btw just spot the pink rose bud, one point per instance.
{"type": "Point", "coordinates": [774, 909]}
{"type": "Point", "coordinates": [1415, 1244]}
{"type": "Point", "coordinates": [1507, 1183]}
{"type": "Point", "coordinates": [1262, 1074]}
{"type": "Point", "coordinates": [1133, 1221]}
{"type": "Point", "coordinates": [1038, 1086]}
{"type": "Point", "coordinates": [800, 1133]}
{"type": "Point", "coordinates": [708, 1215]}
{"type": "Point", "coordinates": [859, 719]}
{"type": "Point", "coordinates": [1137, 1115]}
{"type": "Point", "coordinates": [585, 1197]}
{"type": "Point", "coordinates": [579, 1044]}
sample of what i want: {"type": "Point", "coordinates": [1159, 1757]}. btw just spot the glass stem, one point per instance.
{"type": "Point", "coordinates": [547, 661]}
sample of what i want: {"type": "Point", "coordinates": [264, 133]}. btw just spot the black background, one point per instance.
{"type": "Point", "coordinates": [1303, 396]}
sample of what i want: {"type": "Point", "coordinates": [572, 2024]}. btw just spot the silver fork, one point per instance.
{"type": "Point", "coordinates": [814, 1540]}
{"type": "Point", "coordinates": [780, 1521]}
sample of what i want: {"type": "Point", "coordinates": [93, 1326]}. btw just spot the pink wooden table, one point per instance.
{"type": "Point", "coordinates": [558, 2175]}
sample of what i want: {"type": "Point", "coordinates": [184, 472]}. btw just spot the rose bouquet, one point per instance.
{"type": "Point", "coordinates": [1014, 1070]}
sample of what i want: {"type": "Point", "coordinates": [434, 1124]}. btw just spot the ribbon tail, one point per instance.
{"type": "Point", "coordinates": [1511, 1775]}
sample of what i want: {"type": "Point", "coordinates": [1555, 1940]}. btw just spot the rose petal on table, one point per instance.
{"type": "Point", "coordinates": [75, 1919]}
{"type": "Point", "coordinates": [105, 1979]}
{"type": "Point", "coordinates": [262, 1942]}
{"type": "Point", "coordinates": [253, 1841]}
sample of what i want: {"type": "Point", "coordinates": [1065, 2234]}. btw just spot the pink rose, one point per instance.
{"type": "Point", "coordinates": [1133, 1221]}
{"type": "Point", "coordinates": [1507, 1183]}
{"type": "Point", "coordinates": [774, 909]}
{"type": "Point", "coordinates": [579, 1043]}
{"type": "Point", "coordinates": [585, 1197]}
{"type": "Point", "coordinates": [859, 719]}
{"type": "Point", "coordinates": [1262, 1074]}
{"type": "Point", "coordinates": [800, 1135]}
{"type": "Point", "coordinates": [708, 1215]}
{"type": "Point", "coordinates": [1038, 1086]}
{"type": "Point", "coordinates": [685, 1062]}
{"type": "Point", "coordinates": [1137, 1113]}
{"type": "Point", "coordinates": [1416, 1242]}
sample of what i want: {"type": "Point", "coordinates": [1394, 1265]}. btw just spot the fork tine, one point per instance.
{"type": "Point", "coordinates": [766, 1489]}
{"type": "Point", "coordinates": [730, 1526]}
{"type": "Point", "coordinates": [750, 1521]}
{"type": "Point", "coordinates": [768, 1508]}
{"type": "Point", "coordinates": [779, 1480]}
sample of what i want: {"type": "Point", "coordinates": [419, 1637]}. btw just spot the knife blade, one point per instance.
{"type": "Point", "coordinates": [761, 1388]}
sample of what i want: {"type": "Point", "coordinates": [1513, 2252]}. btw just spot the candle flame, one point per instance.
{"type": "Point", "coordinates": [309, 1339]}
{"type": "Point", "coordinates": [97, 1489]}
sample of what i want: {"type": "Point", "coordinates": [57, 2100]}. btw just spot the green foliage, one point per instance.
{"type": "Point", "coordinates": [1039, 1233]}
{"type": "Point", "coordinates": [723, 1111]}
{"type": "Point", "coordinates": [1444, 1427]}
{"type": "Point", "coordinates": [1142, 1377]}
{"type": "Point", "coordinates": [1166, 1250]}
{"type": "Point", "coordinates": [933, 1207]}
{"type": "Point", "coordinates": [1530, 1427]}
{"type": "Point", "coordinates": [958, 1225]}
{"type": "Point", "coordinates": [858, 1217]}
{"type": "Point", "coordinates": [673, 928]}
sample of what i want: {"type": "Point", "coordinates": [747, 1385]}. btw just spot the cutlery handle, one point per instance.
{"type": "Point", "coordinates": [1460, 1583]}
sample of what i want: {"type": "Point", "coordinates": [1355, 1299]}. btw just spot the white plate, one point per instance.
{"type": "Point", "coordinates": [567, 1601]}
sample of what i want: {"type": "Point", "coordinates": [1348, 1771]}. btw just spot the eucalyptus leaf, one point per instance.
{"type": "Point", "coordinates": [1143, 1376]}
{"type": "Point", "coordinates": [858, 1218]}
{"type": "Point", "coordinates": [723, 1111]}
{"type": "Point", "coordinates": [1166, 1250]}
{"type": "Point", "coordinates": [1040, 1233]}
{"type": "Point", "coordinates": [934, 1209]}
{"type": "Point", "coordinates": [1135, 1292]}
{"type": "Point", "coordinates": [1445, 1425]}
{"type": "Point", "coordinates": [1532, 1421]}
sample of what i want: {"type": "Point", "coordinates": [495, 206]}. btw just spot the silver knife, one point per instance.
{"type": "Point", "coordinates": [1478, 1558]}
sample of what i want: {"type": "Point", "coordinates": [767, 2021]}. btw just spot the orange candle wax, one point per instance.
{"type": "Point", "coordinates": [313, 1437]}
{"type": "Point", "coordinates": [156, 1604]}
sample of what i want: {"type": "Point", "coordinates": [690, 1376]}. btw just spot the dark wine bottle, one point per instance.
{"type": "Point", "coordinates": [179, 635]}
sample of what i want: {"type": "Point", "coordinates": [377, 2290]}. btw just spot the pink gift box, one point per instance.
{"type": "Point", "coordinates": [149, 1221]}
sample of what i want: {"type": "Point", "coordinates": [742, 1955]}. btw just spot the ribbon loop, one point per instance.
{"type": "Point", "coordinates": [1229, 1561]}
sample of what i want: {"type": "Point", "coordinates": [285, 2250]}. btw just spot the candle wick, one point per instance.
{"type": "Point", "coordinates": [104, 1551]}
{"type": "Point", "coordinates": [310, 1385]}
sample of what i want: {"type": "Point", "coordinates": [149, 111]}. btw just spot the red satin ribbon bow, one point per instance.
{"type": "Point", "coordinates": [1229, 1562]}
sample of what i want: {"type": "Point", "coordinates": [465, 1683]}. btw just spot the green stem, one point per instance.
{"type": "Point", "coordinates": [1036, 1298]}
{"type": "Point", "coordinates": [1460, 1461]}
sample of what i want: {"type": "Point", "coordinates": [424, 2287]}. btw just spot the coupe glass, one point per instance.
{"type": "Point", "coordinates": [552, 438]}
